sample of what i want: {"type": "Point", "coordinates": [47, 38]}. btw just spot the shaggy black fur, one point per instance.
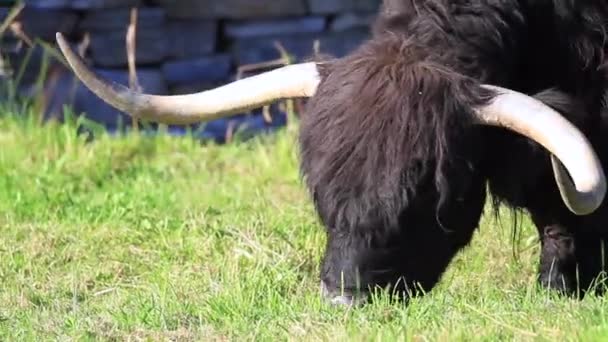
{"type": "Point", "coordinates": [397, 170]}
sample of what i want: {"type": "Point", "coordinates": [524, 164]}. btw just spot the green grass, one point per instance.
{"type": "Point", "coordinates": [161, 238]}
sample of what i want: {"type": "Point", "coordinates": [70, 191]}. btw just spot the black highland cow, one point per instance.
{"type": "Point", "coordinates": [402, 138]}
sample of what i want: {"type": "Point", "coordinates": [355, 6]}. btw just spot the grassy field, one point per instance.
{"type": "Point", "coordinates": [161, 238]}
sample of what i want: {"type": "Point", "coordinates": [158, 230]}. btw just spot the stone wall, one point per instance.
{"type": "Point", "coordinates": [186, 45]}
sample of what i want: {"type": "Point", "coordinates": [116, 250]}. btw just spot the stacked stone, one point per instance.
{"type": "Point", "coordinates": [192, 45]}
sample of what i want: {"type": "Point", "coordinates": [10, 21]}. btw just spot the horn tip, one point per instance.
{"type": "Point", "coordinates": [61, 41]}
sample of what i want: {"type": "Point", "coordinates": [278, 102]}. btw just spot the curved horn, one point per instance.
{"type": "Point", "coordinates": [298, 80]}
{"type": "Point", "coordinates": [510, 109]}
{"type": "Point", "coordinates": [535, 120]}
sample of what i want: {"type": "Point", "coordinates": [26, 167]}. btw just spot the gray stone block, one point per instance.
{"type": "Point", "coordinates": [48, 4]}
{"type": "Point", "coordinates": [331, 6]}
{"type": "Point", "coordinates": [120, 18]}
{"type": "Point", "coordinates": [191, 38]}
{"type": "Point", "coordinates": [108, 49]}
{"type": "Point", "coordinates": [261, 8]}
{"type": "Point", "coordinates": [349, 21]}
{"type": "Point", "coordinates": [205, 69]}
{"type": "Point", "coordinates": [268, 27]}
{"type": "Point", "coordinates": [233, 9]}
{"type": "Point", "coordinates": [257, 50]}
{"type": "Point", "coordinates": [44, 23]}
{"type": "Point", "coordinates": [247, 51]}
{"type": "Point", "coordinates": [338, 6]}
{"type": "Point", "coordinates": [367, 5]}
{"type": "Point", "coordinates": [99, 4]}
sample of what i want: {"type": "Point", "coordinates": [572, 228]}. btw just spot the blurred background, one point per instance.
{"type": "Point", "coordinates": [180, 46]}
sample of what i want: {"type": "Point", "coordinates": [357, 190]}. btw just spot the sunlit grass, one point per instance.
{"type": "Point", "coordinates": [163, 238]}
